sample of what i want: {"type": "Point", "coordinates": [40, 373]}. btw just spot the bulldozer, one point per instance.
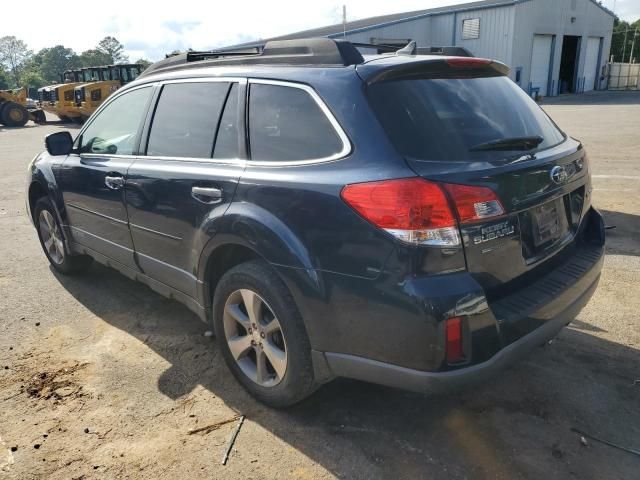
{"type": "Point", "coordinates": [15, 110]}
{"type": "Point", "coordinates": [89, 96]}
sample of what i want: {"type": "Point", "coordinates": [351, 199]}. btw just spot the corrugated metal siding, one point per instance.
{"type": "Point", "coordinates": [496, 33]}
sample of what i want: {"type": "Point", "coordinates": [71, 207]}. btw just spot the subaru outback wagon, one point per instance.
{"type": "Point", "coordinates": [411, 220]}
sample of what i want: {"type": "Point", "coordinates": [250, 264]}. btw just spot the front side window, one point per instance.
{"type": "Point", "coordinates": [115, 129]}
{"type": "Point", "coordinates": [186, 118]}
{"type": "Point", "coordinates": [286, 124]}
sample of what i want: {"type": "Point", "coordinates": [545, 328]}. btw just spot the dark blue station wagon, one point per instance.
{"type": "Point", "coordinates": [411, 220]}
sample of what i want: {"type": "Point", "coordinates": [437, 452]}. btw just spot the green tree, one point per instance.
{"type": "Point", "coordinates": [52, 62]}
{"type": "Point", "coordinates": [13, 55]}
{"type": "Point", "coordinates": [622, 40]}
{"type": "Point", "coordinates": [4, 80]}
{"type": "Point", "coordinates": [113, 48]}
{"type": "Point", "coordinates": [144, 62]}
{"type": "Point", "coordinates": [94, 58]}
{"type": "Point", "coordinates": [32, 79]}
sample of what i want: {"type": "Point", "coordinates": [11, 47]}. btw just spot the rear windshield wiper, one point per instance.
{"type": "Point", "coordinates": [515, 143]}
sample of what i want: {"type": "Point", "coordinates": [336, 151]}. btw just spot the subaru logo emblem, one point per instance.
{"type": "Point", "coordinates": [558, 174]}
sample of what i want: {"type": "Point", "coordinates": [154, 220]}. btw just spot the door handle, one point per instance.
{"type": "Point", "coordinates": [206, 194]}
{"type": "Point", "coordinates": [113, 182]}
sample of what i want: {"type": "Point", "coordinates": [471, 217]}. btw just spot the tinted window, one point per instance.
{"type": "Point", "coordinates": [227, 139]}
{"type": "Point", "coordinates": [115, 128]}
{"type": "Point", "coordinates": [185, 120]}
{"type": "Point", "coordinates": [285, 123]}
{"type": "Point", "coordinates": [442, 119]}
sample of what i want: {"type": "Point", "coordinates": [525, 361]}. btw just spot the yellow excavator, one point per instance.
{"type": "Point", "coordinates": [15, 109]}
{"type": "Point", "coordinates": [89, 96]}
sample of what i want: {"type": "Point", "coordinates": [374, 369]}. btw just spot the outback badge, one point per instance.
{"type": "Point", "coordinates": [492, 232]}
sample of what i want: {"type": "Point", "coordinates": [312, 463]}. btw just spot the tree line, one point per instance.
{"type": "Point", "coordinates": [20, 66]}
{"type": "Point", "coordinates": [622, 40]}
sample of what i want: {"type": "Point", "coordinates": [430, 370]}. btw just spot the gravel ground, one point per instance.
{"type": "Point", "coordinates": [102, 378]}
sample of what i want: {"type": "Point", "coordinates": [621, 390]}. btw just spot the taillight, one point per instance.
{"type": "Point", "coordinates": [413, 210]}
{"type": "Point", "coordinates": [474, 203]}
{"type": "Point", "coordinates": [453, 334]}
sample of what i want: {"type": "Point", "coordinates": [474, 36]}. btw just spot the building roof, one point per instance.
{"type": "Point", "coordinates": [384, 20]}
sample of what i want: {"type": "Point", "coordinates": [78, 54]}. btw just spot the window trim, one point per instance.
{"type": "Point", "coordinates": [346, 144]}
{"type": "Point", "coordinates": [159, 84]}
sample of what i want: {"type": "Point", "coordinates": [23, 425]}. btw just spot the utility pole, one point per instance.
{"type": "Point", "coordinates": [633, 44]}
{"type": "Point", "coordinates": [624, 45]}
{"type": "Point", "coordinates": [344, 21]}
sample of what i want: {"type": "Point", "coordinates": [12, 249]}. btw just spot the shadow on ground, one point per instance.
{"type": "Point", "coordinates": [624, 239]}
{"type": "Point", "coordinates": [606, 97]}
{"type": "Point", "coordinates": [516, 427]}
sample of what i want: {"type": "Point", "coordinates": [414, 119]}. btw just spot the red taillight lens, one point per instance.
{"type": "Point", "coordinates": [467, 62]}
{"type": "Point", "coordinates": [412, 209]}
{"type": "Point", "coordinates": [453, 328]}
{"type": "Point", "coordinates": [474, 203]}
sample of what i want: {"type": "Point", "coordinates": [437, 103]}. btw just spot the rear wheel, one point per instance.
{"type": "Point", "coordinates": [14, 115]}
{"type": "Point", "coordinates": [52, 240]}
{"type": "Point", "coordinates": [262, 336]}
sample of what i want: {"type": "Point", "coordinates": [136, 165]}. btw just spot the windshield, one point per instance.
{"type": "Point", "coordinates": [448, 119]}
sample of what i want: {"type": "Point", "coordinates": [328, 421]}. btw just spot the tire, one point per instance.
{"type": "Point", "coordinates": [53, 245]}
{"type": "Point", "coordinates": [14, 115]}
{"type": "Point", "coordinates": [255, 283]}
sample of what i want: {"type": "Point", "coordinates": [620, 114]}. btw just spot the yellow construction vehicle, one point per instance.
{"type": "Point", "coordinates": [89, 96]}
{"type": "Point", "coordinates": [62, 102]}
{"type": "Point", "coordinates": [15, 109]}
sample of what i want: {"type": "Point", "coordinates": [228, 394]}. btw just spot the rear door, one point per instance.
{"type": "Point", "coordinates": [93, 177]}
{"type": "Point", "coordinates": [186, 177]}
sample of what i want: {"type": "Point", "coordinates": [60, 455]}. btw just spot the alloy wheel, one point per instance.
{"type": "Point", "coordinates": [51, 237]}
{"type": "Point", "coordinates": [255, 338]}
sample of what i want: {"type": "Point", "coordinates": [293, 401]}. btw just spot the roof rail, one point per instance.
{"type": "Point", "coordinates": [306, 51]}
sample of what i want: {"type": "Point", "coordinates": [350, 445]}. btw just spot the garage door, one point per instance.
{"type": "Point", "coordinates": [540, 60]}
{"type": "Point", "coordinates": [591, 63]}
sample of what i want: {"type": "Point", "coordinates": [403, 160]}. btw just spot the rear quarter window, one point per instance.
{"type": "Point", "coordinates": [287, 124]}
{"type": "Point", "coordinates": [443, 119]}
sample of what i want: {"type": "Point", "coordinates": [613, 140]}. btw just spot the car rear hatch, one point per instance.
{"type": "Point", "coordinates": [461, 121]}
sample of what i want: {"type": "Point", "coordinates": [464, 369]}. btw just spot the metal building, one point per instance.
{"type": "Point", "coordinates": [552, 46]}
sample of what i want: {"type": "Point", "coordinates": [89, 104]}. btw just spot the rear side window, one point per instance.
{"type": "Point", "coordinates": [286, 124]}
{"type": "Point", "coordinates": [185, 121]}
{"type": "Point", "coordinates": [449, 119]}
{"type": "Point", "coordinates": [227, 139]}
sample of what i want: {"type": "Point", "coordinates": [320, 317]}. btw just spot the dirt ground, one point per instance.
{"type": "Point", "coordinates": [102, 378]}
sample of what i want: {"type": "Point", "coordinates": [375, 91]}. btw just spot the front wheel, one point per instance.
{"type": "Point", "coordinates": [262, 336]}
{"type": "Point", "coordinates": [52, 240]}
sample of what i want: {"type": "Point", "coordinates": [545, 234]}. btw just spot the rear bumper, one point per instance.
{"type": "Point", "coordinates": [432, 382]}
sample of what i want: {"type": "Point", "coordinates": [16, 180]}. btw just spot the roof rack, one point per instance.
{"type": "Point", "coordinates": [305, 51]}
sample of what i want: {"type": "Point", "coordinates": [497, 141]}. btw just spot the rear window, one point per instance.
{"type": "Point", "coordinates": [444, 119]}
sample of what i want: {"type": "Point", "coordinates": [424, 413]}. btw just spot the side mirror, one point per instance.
{"type": "Point", "coordinates": [59, 143]}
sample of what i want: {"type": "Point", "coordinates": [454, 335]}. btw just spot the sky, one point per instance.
{"type": "Point", "coordinates": [151, 29]}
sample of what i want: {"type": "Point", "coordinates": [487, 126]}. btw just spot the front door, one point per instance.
{"type": "Point", "coordinates": [185, 179]}
{"type": "Point", "coordinates": [94, 176]}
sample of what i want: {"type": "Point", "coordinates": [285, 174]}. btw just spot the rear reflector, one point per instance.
{"type": "Point", "coordinates": [413, 210]}
{"type": "Point", "coordinates": [454, 349]}
{"type": "Point", "coordinates": [474, 203]}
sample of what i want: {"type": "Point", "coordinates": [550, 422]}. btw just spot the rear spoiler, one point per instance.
{"type": "Point", "coordinates": [432, 68]}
